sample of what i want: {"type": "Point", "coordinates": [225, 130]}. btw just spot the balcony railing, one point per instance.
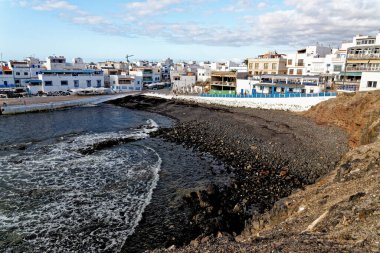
{"type": "Point", "coordinates": [347, 82]}
{"type": "Point", "coordinates": [363, 69]}
{"type": "Point", "coordinates": [363, 56]}
{"type": "Point", "coordinates": [223, 83]}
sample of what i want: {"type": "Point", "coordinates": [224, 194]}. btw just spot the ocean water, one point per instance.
{"type": "Point", "coordinates": [75, 180]}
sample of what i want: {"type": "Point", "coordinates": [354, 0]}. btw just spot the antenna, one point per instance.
{"type": "Point", "coordinates": [127, 57]}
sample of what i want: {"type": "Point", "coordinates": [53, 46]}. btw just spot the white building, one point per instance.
{"type": "Point", "coordinates": [59, 63]}
{"type": "Point", "coordinates": [148, 75]}
{"type": "Point", "coordinates": [183, 82]}
{"type": "Point", "coordinates": [370, 81]}
{"type": "Point", "coordinates": [301, 62]}
{"type": "Point", "coordinates": [64, 80]}
{"type": "Point", "coordinates": [246, 86]}
{"type": "Point", "coordinates": [7, 80]}
{"type": "Point", "coordinates": [125, 83]}
{"type": "Point", "coordinates": [203, 74]}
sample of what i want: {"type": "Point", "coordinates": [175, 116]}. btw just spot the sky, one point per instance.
{"type": "Point", "coordinates": [215, 30]}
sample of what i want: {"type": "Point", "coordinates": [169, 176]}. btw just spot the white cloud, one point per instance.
{"type": "Point", "coordinates": [54, 5]}
{"type": "Point", "coordinates": [89, 20]}
{"type": "Point", "coordinates": [301, 23]}
{"type": "Point", "coordinates": [309, 21]}
{"type": "Point", "coordinates": [261, 5]}
{"type": "Point", "coordinates": [152, 7]}
{"type": "Point", "coordinates": [238, 6]}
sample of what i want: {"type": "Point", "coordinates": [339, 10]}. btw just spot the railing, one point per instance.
{"type": "Point", "coordinates": [348, 87]}
{"type": "Point", "coordinates": [276, 95]}
{"type": "Point", "coordinates": [223, 83]}
{"type": "Point", "coordinates": [362, 68]}
{"type": "Point", "coordinates": [363, 56]}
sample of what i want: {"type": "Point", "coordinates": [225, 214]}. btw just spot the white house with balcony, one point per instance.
{"type": "Point", "coordinates": [125, 83]}
{"type": "Point", "coordinates": [64, 80]}
{"type": "Point", "coordinates": [148, 75]}
{"type": "Point", "coordinates": [284, 84]}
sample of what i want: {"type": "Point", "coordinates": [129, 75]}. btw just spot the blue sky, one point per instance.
{"type": "Point", "coordinates": [181, 29]}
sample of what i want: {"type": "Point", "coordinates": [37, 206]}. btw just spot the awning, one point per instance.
{"type": "Point", "coordinates": [33, 81]}
{"type": "Point", "coordinates": [350, 73]}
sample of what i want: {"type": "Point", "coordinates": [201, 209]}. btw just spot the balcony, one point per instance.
{"type": "Point", "coordinates": [368, 69]}
{"type": "Point", "coordinates": [363, 56]}
{"type": "Point", "coordinates": [216, 83]}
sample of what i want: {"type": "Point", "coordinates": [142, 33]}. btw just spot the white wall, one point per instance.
{"type": "Point", "coordinates": [116, 86]}
{"type": "Point", "coordinates": [369, 77]}
{"type": "Point", "coordinates": [7, 79]}
{"type": "Point", "coordinates": [246, 85]}
{"type": "Point", "coordinates": [82, 82]}
{"type": "Point", "coordinates": [203, 75]}
{"type": "Point", "coordinates": [185, 83]}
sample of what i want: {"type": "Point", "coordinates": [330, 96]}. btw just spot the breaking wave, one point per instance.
{"type": "Point", "coordinates": [83, 193]}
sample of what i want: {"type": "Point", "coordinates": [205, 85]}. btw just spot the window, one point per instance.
{"type": "Point", "coordinates": [5, 82]}
{"type": "Point", "coordinates": [98, 83]}
{"type": "Point", "coordinates": [299, 71]}
{"type": "Point", "coordinates": [64, 82]}
{"type": "Point", "coordinates": [88, 83]}
{"type": "Point", "coordinates": [291, 71]}
{"type": "Point", "coordinates": [300, 62]}
{"type": "Point", "coordinates": [371, 84]}
{"type": "Point", "coordinates": [274, 65]}
{"type": "Point", "coordinates": [17, 81]}
{"type": "Point", "coordinates": [265, 65]}
{"type": "Point", "coordinates": [25, 73]}
{"type": "Point", "coordinates": [290, 62]}
{"type": "Point", "coordinates": [76, 83]}
{"type": "Point", "coordinates": [311, 91]}
{"type": "Point", "coordinates": [337, 68]}
{"type": "Point", "coordinates": [250, 66]}
{"type": "Point", "coordinates": [257, 65]}
{"type": "Point", "coordinates": [48, 83]}
{"type": "Point", "coordinates": [17, 73]}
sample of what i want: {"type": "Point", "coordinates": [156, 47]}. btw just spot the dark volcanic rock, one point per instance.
{"type": "Point", "coordinates": [271, 153]}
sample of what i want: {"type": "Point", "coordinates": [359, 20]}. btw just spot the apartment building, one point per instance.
{"type": "Point", "coordinates": [147, 74]}
{"type": "Point", "coordinates": [301, 62]}
{"type": "Point", "coordinates": [363, 63]}
{"type": "Point", "coordinates": [269, 63]}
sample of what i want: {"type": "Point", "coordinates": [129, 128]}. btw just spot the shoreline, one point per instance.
{"type": "Point", "coordinates": [270, 153]}
{"type": "Point", "coordinates": [37, 104]}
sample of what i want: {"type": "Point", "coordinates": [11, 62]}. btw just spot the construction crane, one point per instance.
{"type": "Point", "coordinates": [127, 57]}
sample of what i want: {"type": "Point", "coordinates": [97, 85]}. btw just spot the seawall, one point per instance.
{"type": "Point", "coordinates": [16, 109]}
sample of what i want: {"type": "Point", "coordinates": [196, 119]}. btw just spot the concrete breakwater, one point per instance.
{"type": "Point", "coordinates": [25, 108]}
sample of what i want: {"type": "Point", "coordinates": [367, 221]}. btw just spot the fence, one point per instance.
{"type": "Point", "coordinates": [276, 95]}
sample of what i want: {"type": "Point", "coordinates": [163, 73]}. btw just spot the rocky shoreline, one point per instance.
{"type": "Point", "coordinates": [270, 154]}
